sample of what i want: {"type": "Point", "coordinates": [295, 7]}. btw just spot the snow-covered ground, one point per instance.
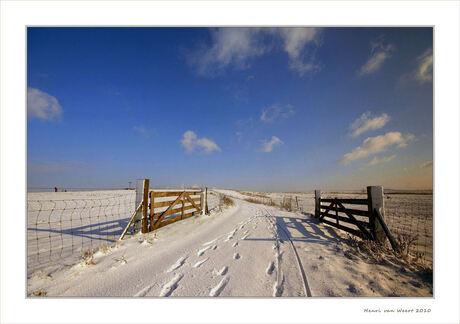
{"type": "Point", "coordinates": [245, 250]}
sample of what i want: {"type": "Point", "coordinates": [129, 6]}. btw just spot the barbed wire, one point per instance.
{"type": "Point", "coordinates": [60, 230]}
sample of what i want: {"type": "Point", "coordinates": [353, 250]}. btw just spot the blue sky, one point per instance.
{"type": "Point", "coordinates": [275, 109]}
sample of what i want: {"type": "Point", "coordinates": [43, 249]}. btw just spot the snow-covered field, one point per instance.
{"type": "Point", "coordinates": [245, 250]}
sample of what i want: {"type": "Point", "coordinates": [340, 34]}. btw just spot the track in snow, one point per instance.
{"type": "Point", "coordinates": [299, 263]}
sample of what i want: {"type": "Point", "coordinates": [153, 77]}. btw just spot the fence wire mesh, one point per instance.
{"type": "Point", "coordinates": [409, 216]}
{"type": "Point", "coordinates": [62, 226]}
{"type": "Point", "coordinates": [410, 219]}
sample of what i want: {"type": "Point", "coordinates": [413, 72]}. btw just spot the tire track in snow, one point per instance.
{"type": "Point", "coordinates": [299, 263]}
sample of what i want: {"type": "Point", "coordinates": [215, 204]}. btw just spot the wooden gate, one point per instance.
{"type": "Point", "coordinates": [368, 222]}
{"type": "Point", "coordinates": [347, 216]}
{"type": "Point", "coordinates": [184, 203]}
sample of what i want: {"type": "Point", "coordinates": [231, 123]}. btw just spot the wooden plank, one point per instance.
{"type": "Point", "coordinates": [130, 221]}
{"type": "Point", "coordinates": [174, 193]}
{"type": "Point", "coordinates": [327, 209]}
{"type": "Point", "coordinates": [353, 211]}
{"type": "Point", "coordinates": [343, 228]}
{"type": "Point", "coordinates": [192, 202]}
{"type": "Point", "coordinates": [160, 204]}
{"type": "Point", "coordinates": [362, 228]}
{"type": "Point", "coordinates": [385, 228]}
{"type": "Point", "coordinates": [346, 219]}
{"type": "Point", "coordinates": [170, 221]}
{"type": "Point", "coordinates": [175, 219]}
{"type": "Point", "coordinates": [163, 215]}
{"type": "Point", "coordinates": [347, 201]}
{"type": "Point", "coordinates": [174, 210]}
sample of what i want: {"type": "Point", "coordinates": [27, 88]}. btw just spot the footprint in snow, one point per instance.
{"type": "Point", "coordinates": [218, 289]}
{"type": "Point", "coordinates": [230, 235]}
{"type": "Point", "coordinates": [178, 264]}
{"type": "Point", "coordinates": [207, 243]}
{"type": "Point", "coordinates": [270, 268]}
{"type": "Point", "coordinates": [171, 286]}
{"type": "Point", "coordinates": [201, 252]}
{"type": "Point", "coordinates": [236, 256]}
{"type": "Point", "coordinates": [196, 265]}
{"type": "Point", "coordinates": [223, 271]}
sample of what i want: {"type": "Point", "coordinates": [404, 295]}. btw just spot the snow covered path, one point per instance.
{"type": "Point", "coordinates": [249, 250]}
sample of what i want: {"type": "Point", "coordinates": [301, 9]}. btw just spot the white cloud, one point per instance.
{"type": "Point", "coordinates": [377, 144]}
{"type": "Point", "coordinates": [426, 165]}
{"type": "Point", "coordinates": [365, 123]}
{"type": "Point", "coordinates": [236, 47]}
{"type": "Point", "coordinates": [190, 142]}
{"type": "Point", "coordinates": [276, 112]}
{"type": "Point", "coordinates": [384, 159]}
{"type": "Point", "coordinates": [380, 52]}
{"type": "Point", "coordinates": [42, 105]}
{"type": "Point", "coordinates": [295, 41]}
{"type": "Point", "coordinates": [424, 71]}
{"type": "Point", "coordinates": [230, 47]}
{"type": "Point", "coordinates": [268, 146]}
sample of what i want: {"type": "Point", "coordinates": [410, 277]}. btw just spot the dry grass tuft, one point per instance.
{"type": "Point", "coordinates": [383, 253]}
{"type": "Point", "coordinates": [39, 293]}
{"type": "Point", "coordinates": [253, 201]}
{"type": "Point", "coordinates": [254, 194]}
{"type": "Point", "coordinates": [88, 257]}
{"type": "Point", "coordinates": [105, 249]}
{"type": "Point", "coordinates": [286, 203]}
{"type": "Point", "coordinates": [224, 201]}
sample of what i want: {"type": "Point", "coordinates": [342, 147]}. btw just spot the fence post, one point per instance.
{"type": "Point", "coordinates": [202, 202]}
{"type": "Point", "coordinates": [152, 210]}
{"type": "Point", "coordinates": [206, 210]}
{"type": "Point", "coordinates": [139, 197]}
{"type": "Point", "coordinates": [376, 201]}
{"type": "Point", "coordinates": [317, 203]}
{"type": "Point", "coordinates": [182, 208]}
{"type": "Point", "coordinates": [145, 206]}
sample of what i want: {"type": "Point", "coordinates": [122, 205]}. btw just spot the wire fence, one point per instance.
{"type": "Point", "coordinates": [62, 226]}
{"type": "Point", "coordinates": [409, 216]}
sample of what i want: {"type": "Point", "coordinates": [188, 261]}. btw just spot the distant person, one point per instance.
{"type": "Point", "coordinates": [55, 189]}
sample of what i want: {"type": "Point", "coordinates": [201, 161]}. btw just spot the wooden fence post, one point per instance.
{"type": "Point", "coordinates": [152, 210]}
{"type": "Point", "coordinates": [206, 202]}
{"type": "Point", "coordinates": [376, 201]}
{"type": "Point", "coordinates": [139, 197]}
{"type": "Point", "coordinates": [202, 202]}
{"type": "Point", "coordinates": [317, 203]}
{"type": "Point", "coordinates": [182, 210]}
{"type": "Point", "coordinates": [145, 206]}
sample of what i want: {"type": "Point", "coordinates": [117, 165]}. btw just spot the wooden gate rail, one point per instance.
{"type": "Point", "coordinates": [372, 223]}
